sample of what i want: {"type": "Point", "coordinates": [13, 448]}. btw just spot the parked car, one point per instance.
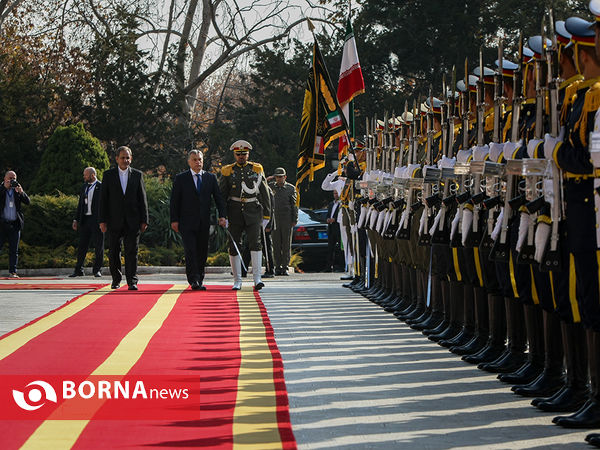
{"type": "Point", "coordinates": [310, 239]}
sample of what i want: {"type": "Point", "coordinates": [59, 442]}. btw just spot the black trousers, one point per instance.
{"type": "Point", "coordinates": [130, 239]}
{"type": "Point", "coordinates": [89, 231]}
{"type": "Point", "coordinates": [333, 243]}
{"type": "Point", "coordinates": [195, 246]}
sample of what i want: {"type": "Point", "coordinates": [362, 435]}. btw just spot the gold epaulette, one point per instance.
{"type": "Point", "coordinates": [570, 96]}
{"type": "Point", "coordinates": [227, 170]}
{"type": "Point", "coordinates": [590, 104]}
{"type": "Point", "coordinates": [256, 167]}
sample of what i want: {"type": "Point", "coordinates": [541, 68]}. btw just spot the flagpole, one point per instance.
{"type": "Point", "coordinates": [311, 27]}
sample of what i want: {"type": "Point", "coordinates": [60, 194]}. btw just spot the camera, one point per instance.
{"type": "Point", "coordinates": [13, 183]}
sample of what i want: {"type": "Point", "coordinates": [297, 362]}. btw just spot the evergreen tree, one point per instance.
{"type": "Point", "coordinates": [70, 150]}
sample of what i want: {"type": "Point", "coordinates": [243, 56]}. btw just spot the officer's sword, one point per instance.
{"type": "Point", "coordinates": [236, 249]}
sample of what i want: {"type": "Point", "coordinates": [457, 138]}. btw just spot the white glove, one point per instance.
{"type": "Point", "coordinates": [412, 169]}
{"type": "Point", "coordinates": [404, 217]}
{"type": "Point", "coordinates": [496, 150]}
{"type": "Point", "coordinates": [362, 216]}
{"type": "Point", "coordinates": [462, 156]}
{"type": "Point", "coordinates": [226, 223]}
{"type": "Point", "coordinates": [532, 146]}
{"type": "Point", "coordinates": [480, 152]}
{"type": "Point", "coordinates": [498, 226]}
{"type": "Point", "coordinates": [264, 223]}
{"type": "Point", "coordinates": [381, 220]}
{"type": "Point", "coordinates": [436, 222]}
{"type": "Point", "coordinates": [350, 157]}
{"type": "Point", "coordinates": [542, 235]}
{"type": "Point", "coordinates": [467, 222]}
{"type": "Point", "coordinates": [454, 227]}
{"type": "Point", "coordinates": [509, 149]}
{"type": "Point", "coordinates": [550, 144]}
{"type": "Point", "coordinates": [446, 163]}
{"type": "Point", "coordinates": [423, 223]}
{"type": "Point", "coordinates": [373, 219]}
{"type": "Point", "coordinates": [548, 189]}
{"type": "Point", "coordinates": [523, 227]}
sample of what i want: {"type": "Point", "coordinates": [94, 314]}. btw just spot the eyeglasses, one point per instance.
{"type": "Point", "coordinates": [240, 153]}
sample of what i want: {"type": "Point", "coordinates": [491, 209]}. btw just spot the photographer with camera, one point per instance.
{"type": "Point", "coordinates": [12, 196]}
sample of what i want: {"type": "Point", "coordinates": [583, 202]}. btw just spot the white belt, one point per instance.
{"type": "Point", "coordinates": [244, 200]}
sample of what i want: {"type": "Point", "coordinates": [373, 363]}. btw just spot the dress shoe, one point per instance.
{"type": "Point", "coordinates": [346, 277]}
{"type": "Point", "coordinates": [132, 287]}
{"type": "Point", "coordinates": [98, 274]}
{"type": "Point", "coordinates": [568, 399]}
{"type": "Point", "coordinates": [258, 286]}
{"type": "Point", "coordinates": [115, 285]}
{"type": "Point", "coordinates": [268, 275]}
{"type": "Point", "coordinates": [588, 416]}
{"type": "Point", "coordinates": [76, 274]}
{"type": "Point", "coordinates": [195, 285]}
{"type": "Point", "coordinates": [201, 288]}
{"type": "Point", "coordinates": [13, 275]}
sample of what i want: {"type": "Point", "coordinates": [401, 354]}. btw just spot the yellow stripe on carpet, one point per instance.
{"type": "Point", "coordinates": [59, 434]}
{"type": "Point", "coordinates": [18, 339]}
{"type": "Point", "coordinates": [255, 422]}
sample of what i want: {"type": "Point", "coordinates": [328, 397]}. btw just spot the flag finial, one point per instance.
{"type": "Point", "coordinates": [311, 26]}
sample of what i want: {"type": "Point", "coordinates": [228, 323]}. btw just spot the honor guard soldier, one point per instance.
{"type": "Point", "coordinates": [244, 186]}
{"type": "Point", "coordinates": [572, 155]}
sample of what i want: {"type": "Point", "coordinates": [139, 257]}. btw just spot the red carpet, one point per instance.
{"type": "Point", "coordinates": [213, 345]}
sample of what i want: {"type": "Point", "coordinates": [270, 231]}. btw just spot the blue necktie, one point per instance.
{"type": "Point", "coordinates": [198, 183]}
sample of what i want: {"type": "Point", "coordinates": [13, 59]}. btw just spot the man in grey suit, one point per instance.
{"type": "Point", "coordinates": [124, 215]}
{"type": "Point", "coordinates": [190, 213]}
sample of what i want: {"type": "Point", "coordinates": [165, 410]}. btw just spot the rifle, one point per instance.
{"type": "Point", "coordinates": [551, 260]}
{"type": "Point", "coordinates": [534, 169]}
{"type": "Point", "coordinates": [424, 237]}
{"type": "Point", "coordinates": [493, 170]}
{"type": "Point", "coordinates": [477, 166]}
{"type": "Point", "coordinates": [501, 248]}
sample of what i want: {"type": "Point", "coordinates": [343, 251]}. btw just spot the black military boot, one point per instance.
{"type": "Point", "coordinates": [593, 439]}
{"type": "Point", "coordinates": [412, 295]}
{"type": "Point", "coordinates": [481, 336]}
{"type": "Point", "coordinates": [574, 392]}
{"type": "Point", "coordinates": [552, 377]}
{"type": "Point", "coordinates": [514, 356]}
{"type": "Point", "coordinates": [421, 301]}
{"type": "Point", "coordinates": [588, 416]}
{"type": "Point", "coordinates": [456, 313]}
{"type": "Point", "coordinates": [444, 287]}
{"type": "Point", "coordinates": [436, 314]}
{"type": "Point", "coordinates": [534, 364]}
{"type": "Point", "coordinates": [496, 343]}
{"type": "Point", "coordinates": [468, 329]}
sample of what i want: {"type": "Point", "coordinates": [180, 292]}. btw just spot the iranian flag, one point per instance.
{"type": "Point", "coordinates": [350, 84]}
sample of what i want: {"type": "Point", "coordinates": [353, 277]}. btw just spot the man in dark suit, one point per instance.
{"type": "Point", "coordinates": [333, 231]}
{"type": "Point", "coordinates": [124, 214]}
{"type": "Point", "coordinates": [12, 196]}
{"type": "Point", "coordinates": [86, 221]}
{"type": "Point", "coordinates": [190, 214]}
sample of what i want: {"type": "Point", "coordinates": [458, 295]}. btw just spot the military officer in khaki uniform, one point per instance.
{"type": "Point", "coordinates": [286, 217]}
{"type": "Point", "coordinates": [245, 190]}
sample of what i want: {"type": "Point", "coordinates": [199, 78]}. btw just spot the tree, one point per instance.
{"type": "Point", "coordinates": [70, 150]}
